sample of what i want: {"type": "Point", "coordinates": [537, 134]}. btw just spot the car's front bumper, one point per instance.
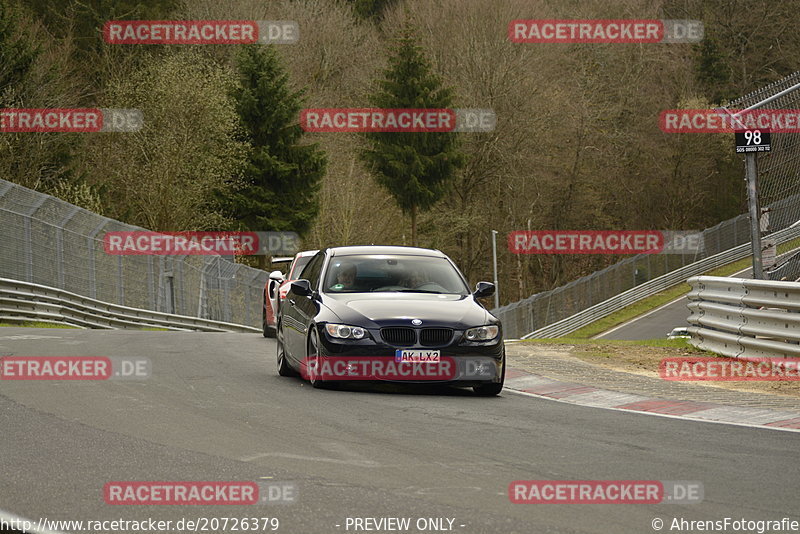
{"type": "Point", "coordinates": [471, 363]}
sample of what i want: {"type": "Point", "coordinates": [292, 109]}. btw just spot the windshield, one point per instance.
{"type": "Point", "coordinates": [393, 273]}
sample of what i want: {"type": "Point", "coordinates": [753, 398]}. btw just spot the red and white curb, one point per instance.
{"type": "Point", "coordinates": [535, 385]}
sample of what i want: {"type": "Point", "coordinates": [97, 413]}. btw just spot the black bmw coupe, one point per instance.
{"type": "Point", "coordinates": [398, 314]}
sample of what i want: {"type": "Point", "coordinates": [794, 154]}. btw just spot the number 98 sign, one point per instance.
{"type": "Point", "coordinates": [752, 141]}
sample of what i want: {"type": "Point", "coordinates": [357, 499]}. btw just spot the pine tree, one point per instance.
{"type": "Point", "coordinates": [415, 168]}
{"type": "Point", "coordinates": [283, 176]}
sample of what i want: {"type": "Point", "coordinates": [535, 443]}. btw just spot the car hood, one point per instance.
{"type": "Point", "coordinates": [397, 309]}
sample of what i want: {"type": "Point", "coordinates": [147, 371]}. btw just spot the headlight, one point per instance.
{"type": "Point", "coordinates": [343, 331]}
{"type": "Point", "coordinates": [482, 333]}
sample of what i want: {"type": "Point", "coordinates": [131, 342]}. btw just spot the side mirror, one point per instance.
{"type": "Point", "coordinates": [302, 288]}
{"type": "Point", "coordinates": [276, 276]}
{"type": "Point", "coordinates": [483, 289]}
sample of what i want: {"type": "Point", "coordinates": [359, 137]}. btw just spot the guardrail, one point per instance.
{"type": "Point", "coordinates": [744, 318]}
{"type": "Point", "coordinates": [650, 288]}
{"type": "Point", "coordinates": [22, 302]}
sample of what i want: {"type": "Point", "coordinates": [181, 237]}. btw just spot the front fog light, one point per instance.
{"type": "Point", "coordinates": [482, 333]}
{"type": "Point", "coordinates": [343, 331]}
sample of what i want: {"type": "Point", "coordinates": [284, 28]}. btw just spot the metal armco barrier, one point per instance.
{"type": "Point", "coordinates": [52, 243]}
{"type": "Point", "coordinates": [656, 285]}
{"type": "Point", "coordinates": [744, 318]}
{"type": "Point", "coordinates": [22, 302]}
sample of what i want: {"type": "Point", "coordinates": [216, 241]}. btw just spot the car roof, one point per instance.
{"type": "Point", "coordinates": [383, 249]}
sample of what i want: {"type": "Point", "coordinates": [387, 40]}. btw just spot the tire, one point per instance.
{"type": "Point", "coordinates": [492, 389]}
{"type": "Point", "coordinates": [266, 330]}
{"type": "Point", "coordinates": [284, 369]}
{"type": "Point", "coordinates": [264, 327]}
{"type": "Point", "coordinates": [313, 356]}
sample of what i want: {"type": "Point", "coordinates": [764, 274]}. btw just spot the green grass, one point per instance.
{"type": "Point", "coordinates": [673, 343]}
{"type": "Point", "coordinates": [629, 312]}
{"type": "Point", "coordinates": [659, 299]}
{"type": "Point", "coordinates": [34, 324]}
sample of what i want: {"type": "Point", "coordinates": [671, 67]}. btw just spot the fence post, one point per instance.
{"type": "Point", "coordinates": [151, 284]}
{"type": "Point", "coordinates": [60, 245]}
{"type": "Point", "coordinates": [120, 283]}
{"type": "Point", "coordinates": [29, 238]}
{"type": "Point", "coordinates": [181, 300]}
{"type": "Point", "coordinates": [201, 299]}
{"type": "Point", "coordinates": [90, 243]}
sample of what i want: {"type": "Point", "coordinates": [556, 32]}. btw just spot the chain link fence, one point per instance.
{"type": "Point", "coordinates": [779, 194]}
{"type": "Point", "coordinates": [50, 242]}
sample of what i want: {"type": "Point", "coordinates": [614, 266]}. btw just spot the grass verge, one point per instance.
{"type": "Point", "coordinates": [34, 324]}
{"type": "Point", "coordinates": [670, 343]}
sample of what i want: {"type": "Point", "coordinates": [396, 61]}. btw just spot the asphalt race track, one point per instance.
{"type": "Point", "coordinates": [215, 409]}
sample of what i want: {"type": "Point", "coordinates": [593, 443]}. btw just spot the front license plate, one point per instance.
{"type": "Point", "coordinates": [417, 356]}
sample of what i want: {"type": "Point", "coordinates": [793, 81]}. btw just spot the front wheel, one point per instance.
{"type": "Point", "coordinates": [284, 369]}
{"type": "Point", "coordinates": [492, 388]}
{"type": "Point", "coordinates": [314, 362]}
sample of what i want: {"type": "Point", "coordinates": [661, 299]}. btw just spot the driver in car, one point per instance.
{"type": "Point", "coordinates": [414, 279]}
{"type": "Point", "coordinates": [346, 277]}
